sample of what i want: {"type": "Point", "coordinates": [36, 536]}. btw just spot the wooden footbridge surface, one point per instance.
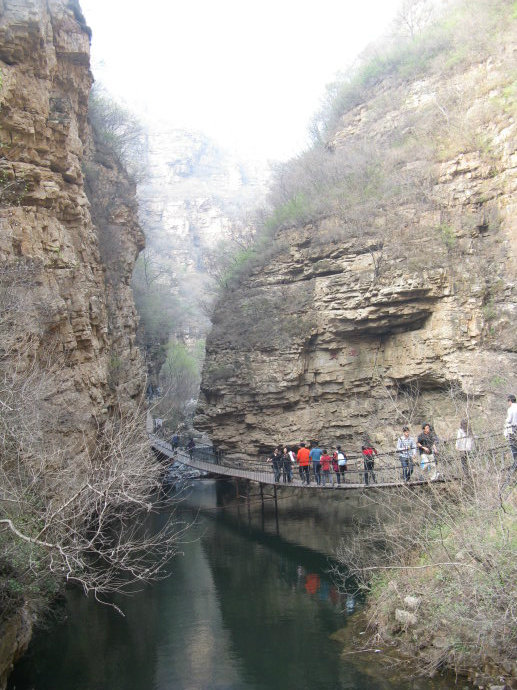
{"type": "Point", "coordinates": [205, 460]}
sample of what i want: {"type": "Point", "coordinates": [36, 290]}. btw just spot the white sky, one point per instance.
{"type": "Point", "coordinates": [248, 73]}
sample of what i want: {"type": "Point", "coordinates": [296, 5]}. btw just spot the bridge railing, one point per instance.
{"type": "Point", "coordinates": [449, 463]}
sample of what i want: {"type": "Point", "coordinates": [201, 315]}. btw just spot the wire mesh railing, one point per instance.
{"type": "Point", "coordinates": [383, 469]}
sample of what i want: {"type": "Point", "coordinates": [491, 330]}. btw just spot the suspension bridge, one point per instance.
{"type": "Point", "coordinates": [206, 459]}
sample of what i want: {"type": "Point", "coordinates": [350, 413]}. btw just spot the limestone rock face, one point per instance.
{"type": "Point", "coordinates": [354, 328]}
{"type": "Point", "coordinates": [191, 191]}
{"type": "Point", "coordinates": [65, 280]}
{"type": "Point", "coordinates": [190, 203]}
{"type": "Point", "coordinates": [80, 315]}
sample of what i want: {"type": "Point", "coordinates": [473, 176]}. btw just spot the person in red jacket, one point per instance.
{"type": "Point", "coordinates": [303, 462]}
{"type": "Point", "coordinates": [325, 468]}
{"type": "Point", "coordinates": [369, 454]}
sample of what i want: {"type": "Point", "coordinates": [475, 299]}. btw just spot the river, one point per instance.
{"type": "Point", "coordinates": [250, 605]}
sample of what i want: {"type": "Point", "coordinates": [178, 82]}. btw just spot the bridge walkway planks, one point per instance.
{"type": "Point", "coordinates": [266, 476]}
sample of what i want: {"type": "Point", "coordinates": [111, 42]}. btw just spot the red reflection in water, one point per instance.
{"type": "Point", "coordinates": [312, 583]}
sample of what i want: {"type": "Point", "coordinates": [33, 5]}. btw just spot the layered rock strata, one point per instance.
{"type": "Point", "coordinates": [80, 300]}
{"type": "Point", "coordinates": [64, 280]}
{"type": "Point", "coordinates": [406, 314]}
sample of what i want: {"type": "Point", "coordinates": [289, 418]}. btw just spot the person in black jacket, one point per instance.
{"type": "Point", "coordinates": [426, 444]}
{"type": "Point", "coordinates": [276, 460]}
{"type": "Point", "coordinates": [287, 468]}
{"type": "Point", "coordinates": [190, 447]}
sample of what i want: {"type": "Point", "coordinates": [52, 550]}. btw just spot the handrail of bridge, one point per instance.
{"type": "Point", "coordinates": [204, 457]}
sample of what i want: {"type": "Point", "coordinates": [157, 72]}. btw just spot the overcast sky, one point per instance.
{"type": "Point", "coordinates": [248, 73]}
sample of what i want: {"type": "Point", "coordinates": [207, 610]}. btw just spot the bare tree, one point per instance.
{"type": "Point", "coordinates": [79, 510]}
{"type": "Point", "coordinates": [413, 17]}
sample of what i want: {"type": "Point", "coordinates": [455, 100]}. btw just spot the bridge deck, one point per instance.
{"type": "Point", "coordinates": [265, 476]}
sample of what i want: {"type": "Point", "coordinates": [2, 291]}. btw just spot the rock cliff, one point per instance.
{"type": "Point", "coordinates": [79, 287]}
{"type": "Point", "coordinates": [397, 310]}
{"type": "Point", "coordinates": [65, 277]}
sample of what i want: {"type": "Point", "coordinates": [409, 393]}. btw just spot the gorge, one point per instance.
{"type": "Point", "coordinates": [375, 287]}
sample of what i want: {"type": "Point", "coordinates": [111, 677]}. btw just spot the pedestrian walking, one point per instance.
{"type": "Point", "coordinates": [406, 449]}
{"type": "Point", "coordinates": [190, 447]}
{"type": "Point", "coordinates": [175, 441]}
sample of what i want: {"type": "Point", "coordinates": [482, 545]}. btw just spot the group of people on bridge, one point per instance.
{"type": "Point", "coordinates": [330, 466]}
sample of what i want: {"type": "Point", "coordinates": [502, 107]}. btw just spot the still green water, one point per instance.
{"type": "Point", "coordinates": [250, 606]}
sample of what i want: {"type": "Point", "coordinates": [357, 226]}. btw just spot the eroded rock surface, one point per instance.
{"type": "Point", "coordinates": [357, 327]}
{"type": "Point", "coordinates": [80, 303]}
{"type": "Point", "coordinates": [68, 278]}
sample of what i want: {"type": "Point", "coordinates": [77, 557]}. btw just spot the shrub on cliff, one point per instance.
{"type": "Point", "coordinates": [378, 187]}
{"type": "Point", "coordinates": [423, 42]}
{"type": "Point", "coordinates": [117, 129]}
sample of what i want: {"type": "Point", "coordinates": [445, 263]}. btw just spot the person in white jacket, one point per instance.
{"type": "Point", "coordinates": [464, 444]}
{"type": "Point", "coordinates": [510, 428]}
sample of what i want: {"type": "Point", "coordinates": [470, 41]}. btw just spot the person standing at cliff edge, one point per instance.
{"type": "Point", "coordinates": [510, 428]}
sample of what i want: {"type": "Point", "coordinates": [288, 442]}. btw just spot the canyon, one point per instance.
{"type": "Point", "coordinates": [380, 290]}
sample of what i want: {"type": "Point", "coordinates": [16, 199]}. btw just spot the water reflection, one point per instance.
{"type": "Point", "coordinates": [245, 609]}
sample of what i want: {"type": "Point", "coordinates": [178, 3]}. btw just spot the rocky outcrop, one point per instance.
{"type": "Point", "coordinates": [81, 307]}
{"type": "Point", "coordinates": [191, 199]}
{"type": "Point", "coordinates": [114, 211]}
{"type": "Point", "coordinates": [191, 194]}
{"type": "Point", "coordinates": [359, 326]}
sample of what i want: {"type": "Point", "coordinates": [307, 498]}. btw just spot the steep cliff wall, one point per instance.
{"type": "Point", "coordinates": [67, 319]}
{"type": "Point", "coordinates": [399, 308]}
{"type": "Point", "coordinates": [81, 308]}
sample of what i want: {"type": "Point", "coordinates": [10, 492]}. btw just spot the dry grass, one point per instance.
{"type": "Point", "coordinates": [453, 548]}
